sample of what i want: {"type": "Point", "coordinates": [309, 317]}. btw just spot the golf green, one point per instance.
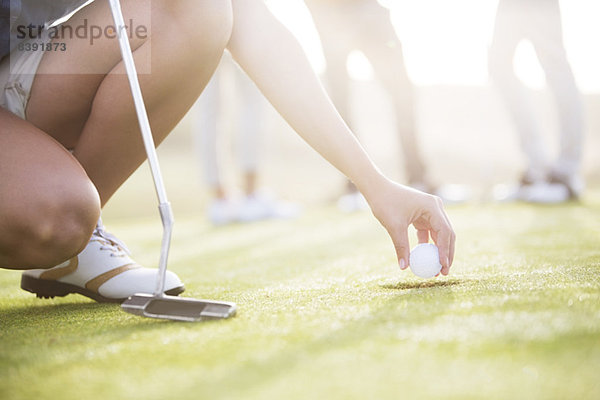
{"type": "Point", "coordinates": [324, 312]}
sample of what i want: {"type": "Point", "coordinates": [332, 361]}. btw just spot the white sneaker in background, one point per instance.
{"type": "Point", "coordinates": [545, 193]}
{"type": "Point", "coordinates": [517, 191]}
{"type": "Point", "coordinates": [222, 212]}
{"type": "Point", "coordinates": [261, 206]}
{"type": "Point", "coordinates": [574, 183]}
{"type": "Point", "coordinates": [454, 193]}
{"type": "Point", "coordinates": [352, 202]}
{"type": "Point", "coordinates": [103, 271]}
{"type": "Point", "coordinates": [503, 192]}
{"type": "Point", "coordinates": [554, 189]}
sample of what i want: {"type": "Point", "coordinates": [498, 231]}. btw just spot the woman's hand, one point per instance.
{"type": "Point", "coordinates": [396, 207]}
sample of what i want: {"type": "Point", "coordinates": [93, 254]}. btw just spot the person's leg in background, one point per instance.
{"type": "Point", "coordinates": [335, 25]}
{"type": "Point", "coordinates": [509, 29]}
{"type": "Point", "coordinates": [210, 132]}
{"type": "Point", "coordinates": [366, 26]}
{"type": "Point", "coordinates": [337, 40]}
{"type": "Point", "coordinates": [379, 42]}
{"type": "Point", "coordinates": [208, 124]}
{"type": "Point", "coordinates": [539, 22]}
{"type": "Point", "coordinates": [547, 39]}
{"type": "Point", "coordinates": [256, 204]}
{"type": "Point", "coordinates": [250, 125]}
{"type": "Point", "coordinates": [208, 139]}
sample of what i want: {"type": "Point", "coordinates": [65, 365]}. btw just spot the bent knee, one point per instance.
{"type": "Point", "coordinates": [49, 228]}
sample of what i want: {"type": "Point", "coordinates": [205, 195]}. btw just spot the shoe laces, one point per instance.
{"type": "Point", "coordinates": [109, 241]}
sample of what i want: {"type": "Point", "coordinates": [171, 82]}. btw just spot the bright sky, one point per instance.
{"type": "Point", "coordinates": [449, 45]}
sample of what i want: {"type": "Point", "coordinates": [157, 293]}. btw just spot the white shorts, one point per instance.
{"type": "Point", "coordinates": [17, 72]}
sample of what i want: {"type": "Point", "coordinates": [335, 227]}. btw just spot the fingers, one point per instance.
{"type": "Point", "coordinates": [426, 213]}
{"type": "Point", "coordinates": [451, 250]}
{"type": "Point", "coordinates": [452, 239]}
{"type": "Point", "coordinates": [423, 236]}
{"type": "Point", "coordinates": [445, 239]}
{"type": "Point", "coordinates": [452, 242]}
{"type": "Point", "coordinates": [443, 244]}
{"type": "Point", "coordinates": [399, 236]}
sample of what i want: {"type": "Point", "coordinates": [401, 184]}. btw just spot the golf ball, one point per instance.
{"type": "Point", "coordinates": [425, 260]}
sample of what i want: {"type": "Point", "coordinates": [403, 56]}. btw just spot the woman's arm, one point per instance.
{"type": "Point", "coordinates": [273, 58]}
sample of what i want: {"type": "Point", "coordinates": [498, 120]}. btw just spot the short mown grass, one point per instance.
{"type": "Point", "coordinates": [324, 312]}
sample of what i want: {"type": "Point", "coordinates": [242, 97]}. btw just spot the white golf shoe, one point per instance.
{"type": "Point", "coordinates": [103, 271]}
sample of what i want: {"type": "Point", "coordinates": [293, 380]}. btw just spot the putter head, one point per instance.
{"type": "Point", "coordinates": [177, 308]}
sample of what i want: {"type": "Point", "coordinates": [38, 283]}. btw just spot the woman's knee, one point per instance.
{"type": "Point", "coordinates": [50, 227]}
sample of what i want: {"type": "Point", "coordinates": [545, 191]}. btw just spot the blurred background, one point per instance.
{"type": "Point", "coordinates": [465, 131]}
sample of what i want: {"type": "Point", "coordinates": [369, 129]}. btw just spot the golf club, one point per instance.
{"type": "Point", "coordinates": [159, 305]}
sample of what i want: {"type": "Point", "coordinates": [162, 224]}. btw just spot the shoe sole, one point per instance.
{"type": "Point", "coordinates": [48, 289]}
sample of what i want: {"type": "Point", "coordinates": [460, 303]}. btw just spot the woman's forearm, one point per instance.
{"type": "Point", "coordinates": [275, 61]}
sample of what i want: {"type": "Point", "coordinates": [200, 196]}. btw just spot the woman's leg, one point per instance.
{"type": "Point", "coordinates": [185, 43]}
{"type": "Point", "coordinates": [48, 206]}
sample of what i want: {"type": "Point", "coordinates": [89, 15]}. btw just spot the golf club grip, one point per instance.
{"type": "Point", "coordinates": [164, 207]}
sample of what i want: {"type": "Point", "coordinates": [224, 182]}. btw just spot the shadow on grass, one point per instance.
{"type": "Point", "coordinates": [69, 314]}
{"type": "Point", "coordinates": [37, 334]}
{"type": "Point", "coordinates": [47, 310]}
{"type": "Point", "coordinates": [53, 313]}
{"type": "Point", "coordinates": [421, 285]}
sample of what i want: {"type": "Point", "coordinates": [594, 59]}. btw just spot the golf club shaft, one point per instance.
{"type": "Point", "coordinates": [164, 207]}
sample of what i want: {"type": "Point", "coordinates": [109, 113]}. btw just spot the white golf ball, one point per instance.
{"type": "Point", "coordinates": [425, 260]}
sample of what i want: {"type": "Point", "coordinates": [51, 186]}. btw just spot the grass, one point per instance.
{"type": "Point", "coordinates": [324, 312]}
